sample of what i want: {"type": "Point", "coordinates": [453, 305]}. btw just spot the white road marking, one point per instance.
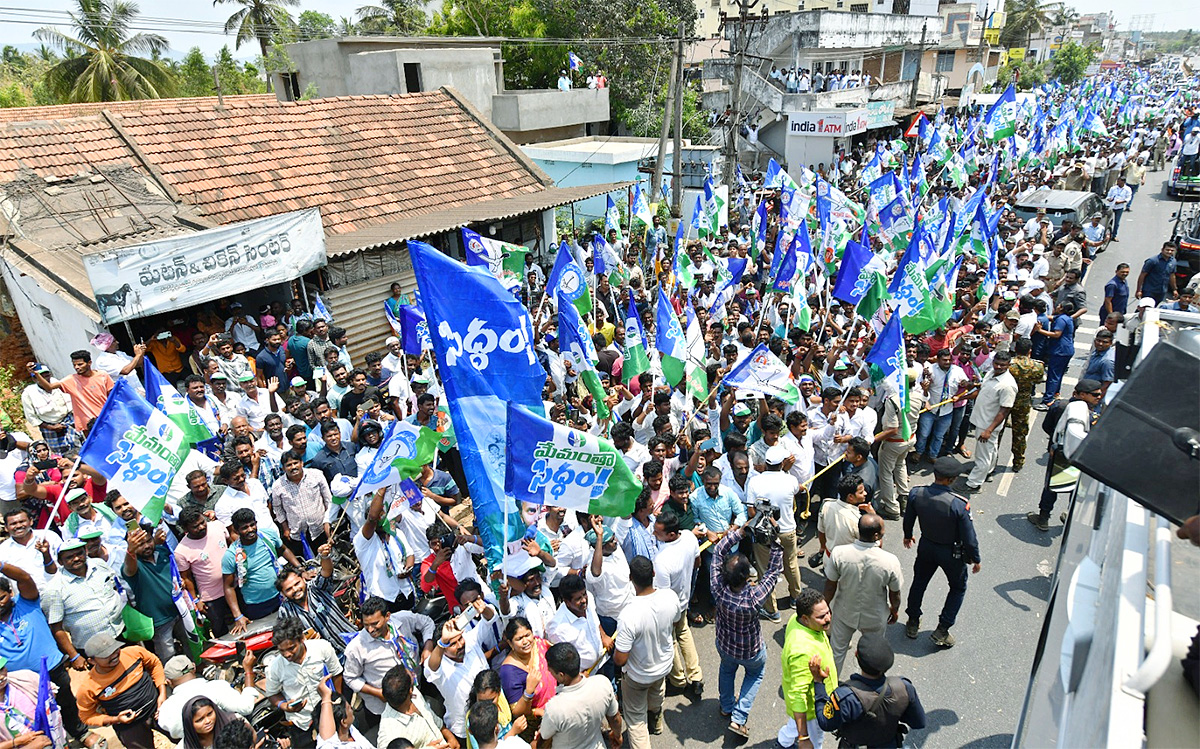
{"type": "Point", "coordinates": [1086, 331]}
{"type": "Point", "coordinates": [1005, 484]}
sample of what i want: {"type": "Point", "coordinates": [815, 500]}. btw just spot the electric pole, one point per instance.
{"type": "Point", "coordinates": [740, 31]}
{"type": "Point", "coordinates": [677, 156]}
{"type": "Point", "coordinates": [669, 100]}
{"type": "Point", "coordinates": [912, 97]}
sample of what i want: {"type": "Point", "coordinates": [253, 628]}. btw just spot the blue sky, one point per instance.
{"type": "Point", "coordinates": [1168, 14]}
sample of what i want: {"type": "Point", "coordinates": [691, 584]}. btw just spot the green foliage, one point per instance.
{"type": "Point", "coordinates": [1024, 19]}
{"type": "Point", "coordinates": [397, 17]}
{"type": "Point", "coordinates": [264, 21]}
{"type": "Point", "coordinates": [23, 81]}
{"type": "Point", "coordinates": [11, 414]}
{"type": "Point", "coordinates": [103, 59]}
{"type": "Point", "coordinates": [1181, 40]}
{"type": "Point", "coordinates": [1071, 60]}
{"type": "Point", "coordinates": [314, 25]}
{"type": "Point", "coordinates": [195, 76]}
{"type": "Point", "coordinates": [1031, 75]}
{"type": "Point", "coordinates": [637, 73]}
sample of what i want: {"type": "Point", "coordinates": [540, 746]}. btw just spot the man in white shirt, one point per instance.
{"type": "Point", "coordinates": [31, 550]}
{"type": "Point", "coordinates": [995, 400]}
{"type": "Point", "coordinates": [1118, 200]}
{"type": "Point", "coordinates": [577, 622]}
{"type": "Point", "coordinates": [774, 490]}
{"type": "Point", "coordinates": [677, 558]}
{"type": "Point", "coordinates": [291, 679]}
{"type": "Point", "coordinates": [940, 383]}
{"type": "Point", "coordinates": [240, 492]}
{"type": "Point", "coordinates": [452, 667]}
{"type": "Point", "coordinates": [113, 362]}
{"type": "Point", "coordinates": [644, 649]}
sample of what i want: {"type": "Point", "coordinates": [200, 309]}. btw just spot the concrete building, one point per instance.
{"type": "Point", "coordinates": [966, 50]}
{"type": "Point", "coordinates": [472, 66]}
{"type": "Point", "coordinates": [708, 12]}
{"type": "Point", "coordinates": [807, 128]}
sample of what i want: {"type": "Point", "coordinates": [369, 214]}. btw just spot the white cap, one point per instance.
{"type": "Point", "coordinates": [776, 455]}
{"type": "Point", "coordinates": [390, 340]}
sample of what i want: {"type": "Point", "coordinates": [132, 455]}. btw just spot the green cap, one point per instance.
{"type": "Point", "coordinates": [88, 536]}
{"type": "Point", "coordinates": [71, 545]}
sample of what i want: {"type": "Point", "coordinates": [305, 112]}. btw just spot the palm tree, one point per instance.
{"type": "Point", "coordinates": [103, 61]}
{"type": "Point", "coordinates": [259, 19]}
{"type": "Point", "coordinates": [393, 16]}
{"type": "Point", "coordinates": [1026, 18]}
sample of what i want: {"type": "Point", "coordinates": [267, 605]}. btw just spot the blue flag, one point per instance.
{"type": "Point", "coordinates": [476, 252]}
{"type": "Point", "coordinates": [137, 448]}
{"type": "Point", "coordinates": [574, 60]}
{"type": "Point", "coordinates": [48, 719]}
{"type": "Point", "coordinates": [787, 269]}
{"type": "Point", "coordinates": [889, 355]}
{"type": "Point", "coordinates": [414, 330]}
{"type": "Point", "coordinates": [553, 464]}
{"type": "Point", "coordinates": [481, 335]}
{"type": "Point", "coordinates": [393, 320]}
{"type": "Point", "coordinates": [320, 311]}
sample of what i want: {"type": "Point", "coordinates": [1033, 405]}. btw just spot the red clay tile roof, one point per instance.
{"type": "Point", "coordinates": [362, 159]}
{"type": "Point", "coordinates": [64, 111]}
{"type": "Point", "coordinates": [61, 148]}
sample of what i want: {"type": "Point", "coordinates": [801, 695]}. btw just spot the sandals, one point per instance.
{"type": "Point", "coordinates": [739, 730]}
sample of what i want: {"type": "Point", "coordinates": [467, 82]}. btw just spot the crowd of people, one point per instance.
{"type": "Point", "coordinates": [574, 639]}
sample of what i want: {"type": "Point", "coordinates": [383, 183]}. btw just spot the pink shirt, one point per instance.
{"type": "Point", "coordinates": [203, 558]}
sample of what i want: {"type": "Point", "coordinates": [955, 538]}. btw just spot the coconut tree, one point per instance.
{"type": "Point", "coordinates": [393, 16]}
{"type": "Point", "coordinates": [261, 20]}
{"type": "Point", "coordinates": [1026, 18]}
{"type": "Point", "coordinates": [104, 61]}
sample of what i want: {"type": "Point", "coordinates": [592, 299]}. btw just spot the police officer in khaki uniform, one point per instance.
{"type": "Point", "coordinates": [948, 543]}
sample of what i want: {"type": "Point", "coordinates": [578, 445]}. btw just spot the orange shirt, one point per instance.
{"type": "Point", "coordinates": [166, 354]}
{"type": "Point", "coordinates": [133, 662]}
{"type": "Point", "coordinates": [87, 395]}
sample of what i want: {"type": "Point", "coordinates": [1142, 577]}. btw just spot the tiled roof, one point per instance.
{"type": "Point", "coordinates": [64, 111]}
{"type": "Point", "coordinates": [61, 148]}
{"type": "Point", "coordinates": [362, 159]}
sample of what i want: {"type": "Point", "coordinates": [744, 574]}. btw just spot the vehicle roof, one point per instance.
{"type": "Point", "coordinates": [1054, 199]}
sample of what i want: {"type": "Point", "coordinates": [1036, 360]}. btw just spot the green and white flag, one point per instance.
{"type": "Point", "coordinates": [710, 220]}
{"type": "Point", "coordinates": [956, 170]}
{"type": "Point", "coordinates": [576, 347]}
{"type": "Point", "coordinates": [612, 219]}
{"type": "Point", "coordinates": [1001, 120]}
{"type": "Point", "coordinates": [636, 361]}
{"type": "Point", "coordinates": [553, 464]}
{"type": "Point", "coordinates": [403, 453]}
{"type": "Point", "coordinates": [641, 209]}
{"type": "Point", "coordinates": [697, 357]}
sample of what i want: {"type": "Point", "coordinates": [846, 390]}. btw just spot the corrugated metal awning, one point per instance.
{"type": "Point", "coordinates": [449, 219]}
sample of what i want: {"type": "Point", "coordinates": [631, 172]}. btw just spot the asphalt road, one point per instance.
{"type": "Point", "coordinates": [973, 692]}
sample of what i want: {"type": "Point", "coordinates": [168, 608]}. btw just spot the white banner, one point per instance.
{"type": "Point", "coordinates": [190, 269]}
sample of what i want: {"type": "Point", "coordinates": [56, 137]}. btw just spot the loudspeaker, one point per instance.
{"type": "Point", "coordinates": [1140, 445]}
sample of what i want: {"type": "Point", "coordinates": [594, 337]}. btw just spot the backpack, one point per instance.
{"type": "Point", "coordinates": [1053, 414]}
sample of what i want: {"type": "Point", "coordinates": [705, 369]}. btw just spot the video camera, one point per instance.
{"type": "Point", "coordinates": [760, 529]}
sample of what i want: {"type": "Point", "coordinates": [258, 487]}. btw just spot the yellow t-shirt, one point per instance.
{"type": "Point", "coordinates": [800, 644]}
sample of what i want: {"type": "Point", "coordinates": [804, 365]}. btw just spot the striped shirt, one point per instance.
{"type": "Point", "coordinates": [86, 606]}
{"type": "Point", "coordinates": [321, 613]}
{"type": "Point", "coordinates": [739, 634]}
{"type": "Point", "coordinates": [301, 506]}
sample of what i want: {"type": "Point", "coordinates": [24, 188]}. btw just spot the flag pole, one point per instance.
{"type": "Point", "coordinates": [63, 494]}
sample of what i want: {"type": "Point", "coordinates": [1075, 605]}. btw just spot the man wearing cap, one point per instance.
{"type": "Point", "coordinates": [25, 639]}
{"type": "Point", "coordinates": [948, 543]}
{"type": "Point", "coordinates": [49, 411]}
{"type": "Point", "coordinates": [1073, 426]}
{"type": "Point", "coordinates": [871, 708]}
{"type": "Point", "coordinates": [123, 690]}
{"type": "Point", "coordinates": [180, 673]}
{"type": "Point", "coordinates": [88, 515]}
{"type": "Point", "coordinates": [83, 599]}
{"type": "Point", "coordinates": [393, 363]}
{"type": "Point", "coordinates": [243, 328]}
{"type": "Point", "coordinates": [775, 490]}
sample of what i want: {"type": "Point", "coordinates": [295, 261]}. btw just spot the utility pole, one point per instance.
{"type": "Point", "coordinates": [677, 156]}
{"type": "Point", "coordinates": [656, 183]}
{"type": "Point", "coordinates": [912, 97]}
{"type": "Point", "coordinates": [740, 32]}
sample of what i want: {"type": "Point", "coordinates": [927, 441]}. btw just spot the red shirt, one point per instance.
{"type": "Point", "coordinates": [444, 580]}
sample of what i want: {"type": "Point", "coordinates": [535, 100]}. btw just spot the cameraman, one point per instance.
{"type": "Point", "coordinates": [739, 634]}
{"type": "Point", "coordinates": [774, 490]}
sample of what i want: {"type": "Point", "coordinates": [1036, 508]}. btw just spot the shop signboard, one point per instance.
{"type": "Point", "coordinates": [190, 269]}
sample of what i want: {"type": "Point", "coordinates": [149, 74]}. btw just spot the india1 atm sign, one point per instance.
{"type": "Point", "coordinates": [828, 124]}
